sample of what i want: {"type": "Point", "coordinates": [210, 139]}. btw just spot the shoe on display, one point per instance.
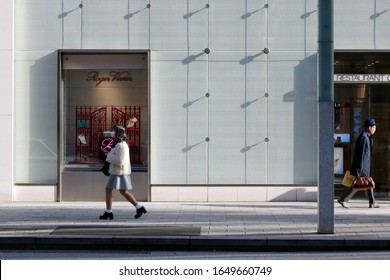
{"type": "Point", "coordinates": [82, 138]}
{"type": "Point", "coordinates": [131, 122]}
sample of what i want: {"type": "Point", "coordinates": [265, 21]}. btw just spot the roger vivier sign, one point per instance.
{"type": "Point", "coordinates": [113, 76]}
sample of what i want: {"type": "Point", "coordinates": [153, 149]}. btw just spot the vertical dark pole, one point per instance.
{"type": "Point", "coordinates": [325, 118]}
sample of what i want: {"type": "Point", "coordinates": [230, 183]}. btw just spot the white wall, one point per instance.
{"type": "Point", "coordinates": [360, 24]}
{"type": "Point", "coordinates": [260, 117]}
{"type": "Point", "coordinates": [255, 98]}
{"type": "Point", "coordinates": [6, 89]}
{"type": "Point", "coordinates": [261, 113]}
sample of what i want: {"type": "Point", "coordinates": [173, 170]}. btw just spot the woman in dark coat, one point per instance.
{"type": "Point", "coordinates": [361, 163]}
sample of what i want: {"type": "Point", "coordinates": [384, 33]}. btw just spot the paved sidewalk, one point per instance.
{"type": "Point", "coordinates": [277, 226]}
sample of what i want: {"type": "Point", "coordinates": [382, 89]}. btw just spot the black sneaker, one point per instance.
{"type": "Point", "coordinates": [106, 216]}
{"type": "Point", "coordinates": [140, 212]}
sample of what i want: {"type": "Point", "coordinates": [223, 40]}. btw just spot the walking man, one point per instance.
{"type": "Point", "coordinates": [361, 163]}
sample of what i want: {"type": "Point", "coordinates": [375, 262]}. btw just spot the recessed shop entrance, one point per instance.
{"type": "Point", "coordinates": [98, 91]}
{"type": "Point", "coordinates": [362, 91]}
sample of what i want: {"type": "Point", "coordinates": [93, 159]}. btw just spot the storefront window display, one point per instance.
{"type": "Point", "coordinates": [93, 131]}
{"type": "Point", "coordinates": [361, 92]}
{"type": "Point", "coordinates": [94, 101]}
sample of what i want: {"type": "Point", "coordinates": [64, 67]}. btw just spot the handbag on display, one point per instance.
{"type": "Point", "coordinates": [105, 168]}
{"type": "Point", "coordinates": [363, 182]}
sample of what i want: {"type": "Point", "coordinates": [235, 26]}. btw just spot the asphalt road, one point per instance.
{"type": "Point", "coordinates": [181, 255]}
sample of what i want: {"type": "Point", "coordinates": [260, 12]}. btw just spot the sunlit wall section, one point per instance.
{"type": "Point", "coordinates": [178, 118]}
{"type": "Point", "coordinates": [35, 118]}
{"type": "Point", "coordinates": [254, 108]}
{"type": "Point", "coordinates": [69, 17]}
{"type": "Point", "coordinates": [292, 25]}
{"type": "Point", "coordinates": [37, 34]}
{"type": "Point", "coordinates": [361, 24]}
{"type": "Point", "coordinates": [236, 121]}
{"type": "Point", "coordinates": [136, 16]}
{"type": "Point", "coordinates": [120, 24]}
{"type": "Point", "coordinates": [236, 26]}
{"type": "Point", "coordinates": [38, 25]}
{"type": "Point", "coordinates": [227, 119]}
{"type": "Point", "coordinates": [292, 102]}
{"type": "Point", "coordinates": [237, 90]}
{"type": "Point", "coordinates": [255, 97]}
{"type": "Point", "coordinates": [292, 121]}
{"type": "Point", "coordinates": [104, 26]}
{"type": "Point", "coordinates": [178, 25]}
{"type": "Point", "coordinates": [178, 93]}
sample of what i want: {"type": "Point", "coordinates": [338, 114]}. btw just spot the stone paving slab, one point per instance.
{"type": "Point", "coordinates": [193, 226]}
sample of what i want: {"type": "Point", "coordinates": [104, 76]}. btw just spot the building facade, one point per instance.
{"type": "Point", "coordinates": [224, 91]}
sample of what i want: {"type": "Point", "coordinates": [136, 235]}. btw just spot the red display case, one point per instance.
{"type": "Point", "coordinates": [91, 123]}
